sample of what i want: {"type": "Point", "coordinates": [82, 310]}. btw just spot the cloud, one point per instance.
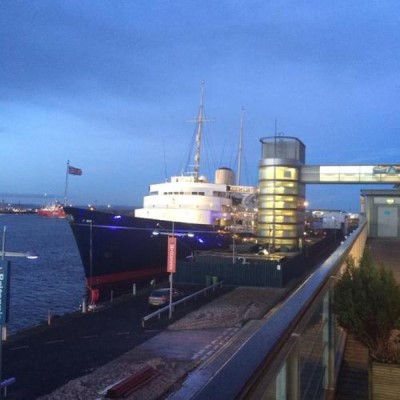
{"type": "Point", "coordinates": [76, 47]}
{"type": "Point", "coordinates": [87, 78]}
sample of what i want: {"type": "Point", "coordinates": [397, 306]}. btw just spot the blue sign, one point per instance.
{"type": "Point", "coordinates": [4, 290]}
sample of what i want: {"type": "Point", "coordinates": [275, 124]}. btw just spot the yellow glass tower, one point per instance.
{"type": "Point", "coordinates": [281, 198]}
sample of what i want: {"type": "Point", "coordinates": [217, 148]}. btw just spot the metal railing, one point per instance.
{"type": "Point", "coordinates": [194, 296]}
{"type": "Point", "coordinates": [295, 354]}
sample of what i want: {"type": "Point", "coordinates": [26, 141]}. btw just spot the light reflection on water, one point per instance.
{"type": "Point", "coordinates": [55, 281]}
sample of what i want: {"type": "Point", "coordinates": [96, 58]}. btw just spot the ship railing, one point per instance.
{"type": "Point", "coordinates": [243, 189]}
{"type": "Point", "coordinates": [183, 300]}
{"type": "Point", "coordinates": [295, 353]}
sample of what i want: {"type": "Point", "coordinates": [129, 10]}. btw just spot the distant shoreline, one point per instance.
{"type": "Point", "coordinates": [19, 208]}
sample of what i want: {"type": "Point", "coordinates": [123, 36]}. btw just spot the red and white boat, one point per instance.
{"type": "Point", "coordinates": [55, 210]}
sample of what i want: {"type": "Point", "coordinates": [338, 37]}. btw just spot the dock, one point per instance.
{"type": "Point", "coordinates": [85, 355]}
{"type": "Point", "coordinates": [81, 355]}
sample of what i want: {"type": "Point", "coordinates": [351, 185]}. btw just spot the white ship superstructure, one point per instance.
{"type": "Point", "coordinates": [185, 199]}
{"type": "Point", "coordinates": [190, 198]}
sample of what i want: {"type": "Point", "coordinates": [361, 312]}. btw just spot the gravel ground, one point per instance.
{"type": "Point", "coordinates": [231, 310]}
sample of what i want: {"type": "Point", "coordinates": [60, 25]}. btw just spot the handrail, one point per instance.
{"type": "Point", "coordinates": [183, 300]}
{"type": "Point", "coordinates": [232, 381]}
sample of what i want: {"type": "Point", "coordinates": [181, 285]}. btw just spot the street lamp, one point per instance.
{"type": "Point", "coordinates": [171, 255]}
{"type": "Point", "coordinates": [4, 296]}
{"type": "Point", "coordinates": [171, 263]}
{"type": "Point", "coordinates": [29, 255]}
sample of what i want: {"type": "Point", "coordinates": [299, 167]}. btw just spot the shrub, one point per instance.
{"type": "Point", "coordinates": [367, 304]}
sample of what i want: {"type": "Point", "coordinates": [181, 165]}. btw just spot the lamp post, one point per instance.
{"type": "Point", "coordinates": [171, 263]}
{"type": "Point", "coordinates": [233, 249]}
{"type": "Point", "coordinates": [171, 255]}
{"type": "Point", "coordinates": [29, 255]}
{"type": "Point", "coordinates": [5, 267]}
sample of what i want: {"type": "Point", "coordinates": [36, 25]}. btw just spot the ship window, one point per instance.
{"type": "Point", "coordinates": [153, 193]}
{"type": "Point", "coordinates": [194, 193]}
{"type": "Point", "coordinates": [201, 193]}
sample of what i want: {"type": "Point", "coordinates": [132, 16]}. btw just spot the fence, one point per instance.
{"type": "Point", "coordinates": [194, 296]}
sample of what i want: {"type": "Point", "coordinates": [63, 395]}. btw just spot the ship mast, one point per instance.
{"type": "Point", "coordinates": [200, 120]}
{"type": "Point", "coordinates": [239, 172]}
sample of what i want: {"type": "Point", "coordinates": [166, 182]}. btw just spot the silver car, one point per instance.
{"type": "Point", "coordinates": [160, 297]}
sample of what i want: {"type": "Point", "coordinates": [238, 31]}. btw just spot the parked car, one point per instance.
{"type": "Point", "coordinates": [160, 297]}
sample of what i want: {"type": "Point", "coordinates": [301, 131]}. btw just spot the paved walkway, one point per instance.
{"type": "Point", "coordinates": [187, 343]}
{"type": "Point", "coordinates": [45, 358]}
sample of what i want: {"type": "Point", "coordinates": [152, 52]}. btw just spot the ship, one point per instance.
{"type": "Point", "coordinates": [54, 210]}
{"type": "Point", "coordinates": [123, 249]}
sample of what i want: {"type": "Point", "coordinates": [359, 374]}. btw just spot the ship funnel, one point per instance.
{"type": "Point", "coordinates": [224, 176]}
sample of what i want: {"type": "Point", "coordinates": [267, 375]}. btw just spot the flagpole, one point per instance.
{"type": "Point", "coordinates": [66, 184]}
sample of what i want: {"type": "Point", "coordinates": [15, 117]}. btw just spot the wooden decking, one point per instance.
{"type": "Point", "coordinates": [353, 376]}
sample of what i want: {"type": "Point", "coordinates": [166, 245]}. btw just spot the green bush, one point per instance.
{"type": "Point", "coordinates": [367, 304]}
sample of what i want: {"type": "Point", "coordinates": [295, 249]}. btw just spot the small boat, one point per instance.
{"type": "Point", "coordinates": [54, 210]}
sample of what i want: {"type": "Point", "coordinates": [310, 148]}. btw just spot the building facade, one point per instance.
{"type": "Point", "coordinates": [382, 209]}
{"type": "Point", "coordinates": [283, 177]}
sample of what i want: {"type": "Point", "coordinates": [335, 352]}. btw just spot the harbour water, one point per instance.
{"type": "Point", "coordinates": [54, 283]}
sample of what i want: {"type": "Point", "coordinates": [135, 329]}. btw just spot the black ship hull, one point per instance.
{"type": "Point", "coordinates": [119, 250]}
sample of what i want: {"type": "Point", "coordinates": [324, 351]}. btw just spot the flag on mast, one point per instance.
{"type": "Point", "coordinates": [70, 171]}
{"type": "Point", "coordinates": [74, 171]}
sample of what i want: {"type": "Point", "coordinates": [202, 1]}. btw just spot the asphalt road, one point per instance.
{"type": "Point", "coordinates": [47, 357]}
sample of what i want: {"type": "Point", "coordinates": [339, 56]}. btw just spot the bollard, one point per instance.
{"type": "Point", "coordinates": [84, 306]}
{"type": "Point", "coordinates": [134, 289]}
{"type": "Point", "coordinates": [4, 333]}
{"type": "Point", "coordinates": [48, 317]}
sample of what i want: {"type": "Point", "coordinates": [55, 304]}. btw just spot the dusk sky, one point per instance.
{"type": "Point", "coordinates": [112, 86]}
